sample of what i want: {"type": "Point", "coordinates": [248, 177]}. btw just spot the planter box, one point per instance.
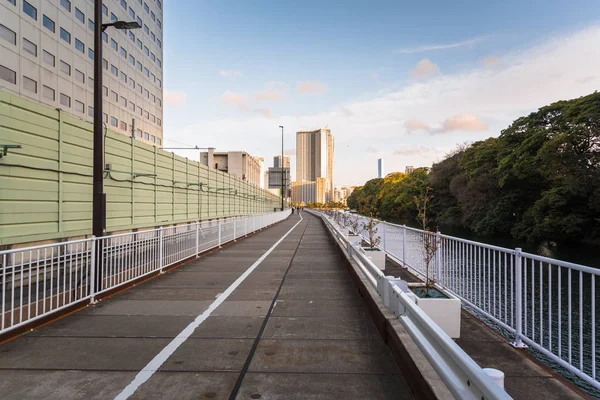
{"type": "Point", "coordinates": [445, 312]}
{"type": "Point", "coordinates": [354, 239]}
{"type": "Point", "coordinates": [344, 231]}
{"type": "Point", "coordinates": [376, 256]}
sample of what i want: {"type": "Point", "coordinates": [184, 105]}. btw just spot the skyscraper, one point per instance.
{"type": "Point", "coordinates": [314, 164]}
{"type": "Point", "coordinates": [277, 162]}
{"type": "Point", "coordinates": [380, 172]}
{"type": "Point", "coordinates": [47, 52]}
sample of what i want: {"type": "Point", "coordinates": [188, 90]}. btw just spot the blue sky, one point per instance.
{"type": "Point", "coordinates": [405, 81]}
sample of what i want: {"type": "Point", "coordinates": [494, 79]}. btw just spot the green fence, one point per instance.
{"type": "Point", "coordinates": [46, 186]}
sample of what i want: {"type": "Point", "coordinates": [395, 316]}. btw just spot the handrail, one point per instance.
{"type": "Point", "coordinates": [463, 377]}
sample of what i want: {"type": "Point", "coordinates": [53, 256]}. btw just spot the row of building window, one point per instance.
{"type": "Point", "coordinates": [79, 45]}
{"type": "Point", "coordinates": [31, 85]}
{"type": "Point", "coordinates": [50, 59]}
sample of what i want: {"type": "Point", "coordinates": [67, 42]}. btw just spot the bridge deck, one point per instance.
{"type": "Point", "coordinates": [293, 328]}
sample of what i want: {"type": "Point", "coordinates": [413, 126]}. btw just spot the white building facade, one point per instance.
{"type": "Point", "coordinates": [314, 166]}
{"type": "Point", "coordinates": [47, 53]}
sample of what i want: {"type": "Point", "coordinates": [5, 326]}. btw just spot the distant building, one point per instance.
{"type": "Point", "coordinates": [277, 162]}
{"type": "Point", "coordinates": [314, 166]}
{"type": "Point", "coordinates": [238, 163]}
{"type": "Point", "coordinates": [380, 173]}
{"type": "Point", "coordinates": [341, 194]}
{"type": "Point", "coordinates": [409, 169]}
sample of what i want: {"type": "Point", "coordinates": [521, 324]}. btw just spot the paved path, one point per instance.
{"type": "Point", "coordinates": [294, 328]}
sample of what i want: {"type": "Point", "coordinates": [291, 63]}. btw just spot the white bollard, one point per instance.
{"type": "Point", "coordinates": [496, 375]}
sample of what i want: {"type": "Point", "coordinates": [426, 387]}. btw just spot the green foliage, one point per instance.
{"type": "Point", "coordinates": [540, 179]}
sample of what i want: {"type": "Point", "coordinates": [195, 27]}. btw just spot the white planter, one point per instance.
{"type": "Point", "coordinates": [376, 256]}
{"type": "Point", "coordinates": [354, 239]}
{"type": "Point", "coordinates": [344, 231]}
{"type": "Point", "coordinates": [444, 312]}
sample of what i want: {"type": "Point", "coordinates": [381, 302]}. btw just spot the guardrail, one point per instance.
{"type": "Point", "coordinates": [462, 376]}
{"type": "Point", "coordinates": [42, 280]}
{"type": "Point", "coordinates": [545, 303]}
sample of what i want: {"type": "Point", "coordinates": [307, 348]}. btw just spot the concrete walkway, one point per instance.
{"type": "Point", "coordinates": [294, 328]}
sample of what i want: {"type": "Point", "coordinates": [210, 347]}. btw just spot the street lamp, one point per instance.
{"type": "Point", "coordinates": [99, 197]}
{"type": "Point", "coordinates": [282, 171]}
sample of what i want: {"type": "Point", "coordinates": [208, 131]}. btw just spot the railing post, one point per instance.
{"type": "Point", "coordinates": [438, 257]}
{"type": "Point", "coordinates": [234, 237]}
{"type": "Point", "coordinates": [161, 242]}
{"type": "Point", "coordinates": [197, 239]}
{"type": "Point", "coordinates": [220, 232]}
{"type": "Point", "coordinates": [404, 246]}
{"type": "Point", "coordinates": [518, 300]}
{"type": "Point", "coordinates": [92, 271]}
{"type": "Point", "coordinates": [384, 230]}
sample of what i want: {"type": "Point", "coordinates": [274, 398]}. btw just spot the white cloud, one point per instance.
{"type": "Point", "coordinates": [177, 98]}
{"type": "Point", "coordinates": [230, 73]}
{"type": "Point", "coordinates": [557, 69]}
{"type": "Point", "coordinates": [312, 87]}
{"type": "Point", "coordinates": [433, 47]}
{"type": "Point", "coordinates": [424, 69]}
{"type": "Point", "coordinates": [460, 122]}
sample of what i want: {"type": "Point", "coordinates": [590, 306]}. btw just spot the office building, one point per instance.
{"type": "Point", "coordinates": [47, 52]}
{"type": "Point", "coordinates": [277, 162]}
{"type": "Point", "coordinates": [314, 166]}
{"type": "Point", "coordinates": [409, 169]}
{"type": "Point", "coordinates": [237, 163]}
{"type": "Point", "coordinates": [380, 173]}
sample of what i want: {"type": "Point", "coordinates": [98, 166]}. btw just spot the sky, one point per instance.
{"type": "Point", "coordinates": [402, 80]}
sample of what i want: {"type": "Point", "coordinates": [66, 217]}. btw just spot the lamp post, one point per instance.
{"type": "Point", "coordinates": [99, 197]}
{"type": "Point", "coordinates": [282, 170]}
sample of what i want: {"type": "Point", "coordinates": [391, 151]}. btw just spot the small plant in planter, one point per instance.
{"type": "Point", "coordinates": [438, 304]}
{"type": "Point", "coordinates": [354, 225]}
{"type": "Point", "coordinates": [373, 252]}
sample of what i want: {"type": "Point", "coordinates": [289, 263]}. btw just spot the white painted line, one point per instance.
{"type": "Point", "coordinates": [153, 366]}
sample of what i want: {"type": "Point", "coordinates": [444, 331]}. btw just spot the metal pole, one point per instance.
{"type": "Point", "coordinates": [282, 171]}
{"type": "Point", "coordinates": [98, 197]}
{"type": "Point", "coordinates": [404, 246]}
{"type": "Point", "coordinates": [518, 300]}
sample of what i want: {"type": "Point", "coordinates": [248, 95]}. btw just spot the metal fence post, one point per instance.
{"type": "Point", "coordinates": [404, 245]}
{"type": "Point", "coordinates": [220, 232]}
{"type": "Point", "coordinates": [197, 239]}
{"type": "Point", "coordinates": [518, 300]}
{"type": "Point", "coordinates": [92, 271]}
{"type": "Point", "coordinates": [438, 256]}
{"type": "Point", "coordinates": [161, 242]}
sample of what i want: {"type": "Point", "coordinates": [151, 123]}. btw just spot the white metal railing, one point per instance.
{"type": "Point", "coordinates": [545, 303]}
{"type": "Point", "coordinates": [462, 376]}
{"type": "Point", "coordinates": [42, 280]}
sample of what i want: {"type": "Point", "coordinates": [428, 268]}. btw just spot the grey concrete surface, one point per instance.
{"type": "Point", "coordinates": [319, 342]}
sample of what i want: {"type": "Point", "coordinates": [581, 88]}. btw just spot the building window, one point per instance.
{"type": "Point", "coordinates": [90, 111]}
{"type": "Point", "coordinates": [139, 66]}
{"type": "Point", "coordinates": [153, 98]}
{"type": "Point", "coordinates": [159, 122]}
{"type": "Point", "coordinates": [79, 15]}
{"type": "Point", "coordinates": [114, 96]}
{"type": "Point", "coordinates": [138, 133]}
{"type": "Point", "coordinates": [29, 47]}
{"type": "Point", "coordinates": [152, 15]}
{"type": "Point", "coordinates": [29, 84]}
{"type": "Point", "coordinates": [64, 35]}
{"type": "Point", "coordinates": [79, 45]}
{"type": "Point", "coordinates": [159, 83]}
{"type": "Point", "coordinates": [114, 45]}
{"type": "Point", "coordinates": [123, 52]}
{"type": "Point", "coordinates": [132, 60]}
{"type": "Point", "coordinates": [132, 36]}
{"type": "Point", "coordinates": [159, 4]}
{"type": "Point", "coordinates": [159, 63]}
{"type": "Point", "coordinates": [66, 4]}
{"type": "Point", "coordinates": [140, 88]}
{"type": "Point", "coordinates": [159, 43]}
{"type": "Point", "coordinates": [124, 4]}
{"type": "Point", "coordinates": [132, 106]}
{"type": "Point", "coordinates": [152, 118]}
{"type": "Point", "coordinates": [131, 13]}
{"type": "Point", "coordinates": [48, 58]}
{"type": "Point", "coordinates": [123, 77]}
{"type": "Point", "coordinates": [146, 8]}
{"type": "Point", "coordinates": [132, 83]}
{"type": "Point", "coordinates": [159, 101]}
{"type": "Point", "coordinates": [114, 70]}
{"type": "Point", "coordinates": [105, 37]}
{"type": "Point", "coordinates": [153, 36]}
{"type": "Point", "coordinates": [8, 34]}
{"type": "Point", "coordinates": [146, 29]}
{"type": "Point", "coordinates": [79, 107]}
{"type": "Point", "coordinates": [104, 63]}
{"type": "Point", "coordinates": [114, 121]}
{"type": "Point", "coordinates": [48, 93]}
{"type": "Point", "coordinates": [113, 17]}
{"type": "Point", "coordinates": [105, 118]}
{"type": "Point", "coordinates": [104, 91]}
{"type": "Point", "coordinates": [13, 2]}
{"type": "Point", "coordinates": [90, 53]}
{"type": "Point", "coordinates": [147, 51]}
{"type": "Point", "coordinates": [90, 82]}
{"type": "Point", "coordinates": [146, 115]}
{"type": "Point", "coordinates": [146, 136]}
{"type": "Point", "coordinates": [49, 24]}
{"type": "Point", "coordinates": [104, 9]}
{"type": "Point", "coordinates": [138, 20]}
{"type": "Point", "coordinates": [146, 72]}
{"type": "Point", "coordinates": [123, 125]}
{"type": "Point", "coordinates": [65, 100]}
{"type": "Point", "coordinates": [153, 139]}
{"type": "Point", "coordinates": [158, 141]}
{"type": "Point", "coordinates": [79, 76]}
{"type": "Point", "coordinates": [138, 42]}
{"type": "Point", "coordinates": [158, 23]}
{"type": "Point", "coordinates": [147, 93]}
{"type": "Point", "coordinates": [153, 77]}
{"type": "Point", "coordinates": [91, 25]}
{"type": "Point", "coordinates": [30, 10]}
{"type": "Point", "coordinates": [152, 57]}
{"type": "Point", "coordinates": [65, 68]}
{"type": "Point", "coordinates": [139, 110]}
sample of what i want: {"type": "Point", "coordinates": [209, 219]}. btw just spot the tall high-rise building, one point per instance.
{"type": "Point", "coordinates": [314, 164]}
{"type": "Point", "coordinates": [47, 50]}
{"type": "Point", "coordinates": [380, 172]}
{"type": "Point", "coordinates": [277, 162]}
